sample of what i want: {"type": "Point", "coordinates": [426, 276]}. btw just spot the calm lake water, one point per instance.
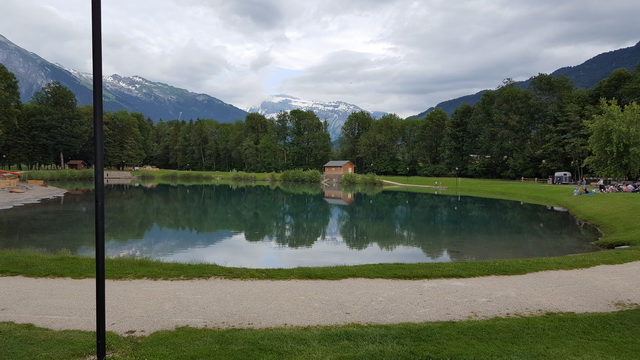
{"type": "Point", "coordinates": [290, 226]}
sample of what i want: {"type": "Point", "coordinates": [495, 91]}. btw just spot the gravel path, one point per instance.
{"type": "Point", "coordinates": [143, 306]}
{"type": "Point", "coordinates": [31, 194]}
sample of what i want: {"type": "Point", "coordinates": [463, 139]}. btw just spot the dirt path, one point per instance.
{"type": "Point", "coordinates": [410, 185]}
{"type": "Point", "coordinates": [143, 306]}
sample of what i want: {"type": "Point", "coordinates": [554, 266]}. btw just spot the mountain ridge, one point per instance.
{"type": "Point", "coordinates": [155, 100]}
{"type": "Point", "coordinates": [334, 112]}
{"type": "Point", "coordinates": [585, 76]}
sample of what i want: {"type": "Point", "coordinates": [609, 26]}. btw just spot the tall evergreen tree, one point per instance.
{"type": "Point", "coordinates": [457, 140]}
{"type": "Point", "coordinates": [310, 141]}
{"type": "Point", "coordinates": [58, 128]}
{"type": "Point", "coordinates": [10, 109]}
{"type": "Point", "coordinates": [357, 124]}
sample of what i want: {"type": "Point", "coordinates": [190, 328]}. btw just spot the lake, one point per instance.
{"type": "Point", "coordinates": [293, 225]}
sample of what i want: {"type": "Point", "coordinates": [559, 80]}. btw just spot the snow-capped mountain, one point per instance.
{"type": "Point", "coordinates": [334, 112]}
{"type": "Point", "coordinates": [134, 94]}
{"type": "Point", "coordinates": [168, 102]}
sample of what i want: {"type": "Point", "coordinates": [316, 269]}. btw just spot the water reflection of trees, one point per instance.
{"type": "Point", "coordinates": [297, 216]}
{"type": "Point", "coordinates": [52, 225]}
{"type": "Point", "coordinates": [467, 228]}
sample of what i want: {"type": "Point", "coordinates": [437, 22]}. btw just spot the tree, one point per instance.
{"type": "Point", "coordinates": [380, 146]}
{"type": "Point", "coordinates": [457, 140]}
{"type": "Point", "coordinates": [282, 135]}
{"type": "Point", "coordinates": [431, 139]}
{"type": "Point", "coordinates": [310, 141]}
{"type": "Point", "coordinates": [10, 104]}
{"type": "Point", "coordinates": [123, 143]}
{"type": "Point", "coordinates": [203, 136]}
{"type": "Point", "coordinates": [58, 128]}
{"type": "Point", "coordinates": [254, 147]}
{"type": "Point", "coordinates": [10, 110]}
{"type": "Point", "coordinates": [503, 127]}
{"type": "Point", "coordinates": [560, 140]}
{"type": "Point", "coordinates": [615, 140]}
{"type": "Point", "coordinates": [617, 86]}
{"type": "Point", "coordinates": [357, 124]}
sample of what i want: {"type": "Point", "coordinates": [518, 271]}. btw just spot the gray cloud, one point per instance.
{"type": "Point", "coordinates": [399, 56]}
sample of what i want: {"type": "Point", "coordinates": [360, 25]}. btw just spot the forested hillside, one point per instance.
{"type": "Point", "coordinates": [583, 76]}
{"type": "Point", "coordinates": [510, 133]}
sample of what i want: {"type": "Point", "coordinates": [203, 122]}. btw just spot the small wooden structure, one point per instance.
{"type": "Point", "coordinates": [8, 183]}
{"type": "Point", "coordinates": [77, 164]}
{"type": "Point", "coordinates": [339, 168]}
{"type": "Point", "coordinates": [9, 179]}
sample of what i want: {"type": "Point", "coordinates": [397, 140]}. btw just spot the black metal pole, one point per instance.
{"type": "Point", "coordinates": [98, 132]}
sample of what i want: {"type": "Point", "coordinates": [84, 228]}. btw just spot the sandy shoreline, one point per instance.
{"type": "Point", "coordinates": [142, 307]}
{"type": "Point", "coordinates": [32, 194]}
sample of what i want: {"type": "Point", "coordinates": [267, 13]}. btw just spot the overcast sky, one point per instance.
{"type": "Point", "coordinates": [396, 56]}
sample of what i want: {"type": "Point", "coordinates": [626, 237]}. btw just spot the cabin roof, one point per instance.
{"type": "Point", "coordinates": [337, 163]}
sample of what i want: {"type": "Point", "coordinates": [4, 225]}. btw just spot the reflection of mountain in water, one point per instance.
{"type": "Point", "coordinates": [156, 222]}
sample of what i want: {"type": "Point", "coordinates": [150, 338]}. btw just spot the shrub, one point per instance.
{"type": "Point", "coordinates": [370, 179]}
{"type": "Point", "coordinates": [242, 176]}
{"type": "Point", "coordinates": [353, 179]}
{"type": "Point", "coordinates": [273, 177]}
{"type": "Point", "coordinates": [299, 175]}
{"type": "Point", "coordinates": [58, 175]}
{"type": "Point", "coordinates": [349, 179]}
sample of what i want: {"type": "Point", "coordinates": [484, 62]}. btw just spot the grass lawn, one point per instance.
{"type": "Point", "coordinates": [550, 336]}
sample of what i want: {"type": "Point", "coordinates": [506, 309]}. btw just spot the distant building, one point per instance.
{"type": "Point", "coordinates": [77, 164]}
{"type": "Point", "coordinates": [338, 168]}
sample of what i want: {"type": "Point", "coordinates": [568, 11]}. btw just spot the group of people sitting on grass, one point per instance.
{"type": "Point", "coordinates": [602, 188]}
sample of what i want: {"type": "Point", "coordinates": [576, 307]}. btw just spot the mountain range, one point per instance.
{"type": "Point", "coordinates": [162, 101]}
{"type": "Point", "coordinates": [585, 75]}
{"type": "Point", "coordinates": [334, 112]}
{"type": "Point", "coordinates": [154, 99]}
{"type": "Point", "coordinates": [134, 94]}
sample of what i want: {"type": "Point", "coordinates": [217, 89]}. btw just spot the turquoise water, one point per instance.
{"type": "Point", "coordinates": [290, 226]}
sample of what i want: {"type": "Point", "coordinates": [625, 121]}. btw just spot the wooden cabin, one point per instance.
{"type": "Point", "coordinates": [76, 164]}
{"type": "Point", "coordinates": [339, 168]}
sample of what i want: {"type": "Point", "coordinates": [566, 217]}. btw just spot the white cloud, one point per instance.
{"type": "Point", "coordinates": [400, 56]}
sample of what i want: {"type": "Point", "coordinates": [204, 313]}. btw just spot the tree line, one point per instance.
{"type": "Point", "coordinates": [511, 132]}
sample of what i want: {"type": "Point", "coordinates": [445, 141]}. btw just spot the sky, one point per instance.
{"type": "Point", "coordinates": [397, 56]}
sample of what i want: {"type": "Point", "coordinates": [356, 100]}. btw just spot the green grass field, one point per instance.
{"type": "Point", "coordinates": [550, 336]}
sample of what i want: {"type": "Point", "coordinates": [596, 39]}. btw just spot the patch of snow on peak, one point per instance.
{"type": "Point", "coordinates": [334, 112]}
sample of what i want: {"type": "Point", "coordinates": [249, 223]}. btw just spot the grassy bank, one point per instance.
{"type": "Point", "coordinates": [550, 336]}
{"type": "Point", "coordinates": [33, 264]}
{"type": "Point", "coordinates": [174, 175]}
{"type": "Point", "coordinates": [58, 175]}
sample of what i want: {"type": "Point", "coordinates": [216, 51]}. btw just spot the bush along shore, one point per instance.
{"type": "Point", "coordinates": [297, 175]}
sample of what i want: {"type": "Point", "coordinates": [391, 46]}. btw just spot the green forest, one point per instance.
{"type": "Point", "coordinates": [511, 132]}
